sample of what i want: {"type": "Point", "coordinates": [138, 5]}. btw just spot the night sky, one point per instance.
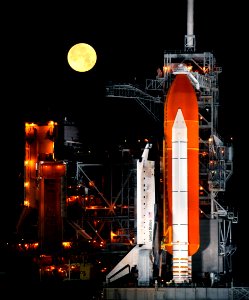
{"type": "Point", "coordinates": [129, 39]}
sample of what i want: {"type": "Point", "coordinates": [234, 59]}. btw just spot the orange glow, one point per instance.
{"type": "Point", "coordinates": [53, 169]}
{"type": "Point", "coordinates": [113, 234]}
{"type": "Point", "coordinates": [204, 153]}
{"type": "Point", "coordinates": [67, 245]}
{"type": "Point", "coordinates": [26, 203]}
{"type": "Point", "coordinates": [26, 184]}
{"type": "Point", "coordinates": [182, 95]}
{"type": "Point", "coordinates": [166, 69]}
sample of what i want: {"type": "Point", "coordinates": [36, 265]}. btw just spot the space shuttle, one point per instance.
{"type": "Point", "coordinates": [140, 257]}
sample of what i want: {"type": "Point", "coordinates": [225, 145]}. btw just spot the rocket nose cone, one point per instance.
{"type": "Point", "coordinates": [179, 120]}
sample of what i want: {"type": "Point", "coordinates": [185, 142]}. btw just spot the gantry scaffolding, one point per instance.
{"type": "Point", "coordinates": [104, 193]}
{"type": "Point", "coordinates": [216, 156]}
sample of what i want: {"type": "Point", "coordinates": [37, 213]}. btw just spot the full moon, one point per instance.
{"type": "Point", "coordinates": [81, 57]}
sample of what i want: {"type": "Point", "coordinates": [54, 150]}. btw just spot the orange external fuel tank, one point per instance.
{"type": "Point", "coordinates": [182, 95]}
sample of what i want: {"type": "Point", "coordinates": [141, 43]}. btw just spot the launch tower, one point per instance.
{"type": "Point", "coordinates": [214, 257]}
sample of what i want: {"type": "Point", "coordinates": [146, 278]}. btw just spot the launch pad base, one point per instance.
{"type": "Point", "coordinates": [168, 293]}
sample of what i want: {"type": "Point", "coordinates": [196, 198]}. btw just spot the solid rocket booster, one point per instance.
{"type": "Point", "coordinates": [180, 198]}
{"type": "Point", "coordinates": [181, 171]}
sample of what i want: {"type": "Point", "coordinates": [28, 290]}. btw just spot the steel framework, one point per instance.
{"type": "Point", "coordinates": [216, 157]}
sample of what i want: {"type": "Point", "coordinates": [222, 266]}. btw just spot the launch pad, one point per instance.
{"type": "Point", "coordinates": [169, 293]}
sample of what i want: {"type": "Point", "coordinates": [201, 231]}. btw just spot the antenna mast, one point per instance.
{"type": "Point", "coordinates": [189, 44]}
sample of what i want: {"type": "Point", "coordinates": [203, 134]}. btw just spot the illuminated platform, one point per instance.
{"type": "Point", "coordinates": [172, 293]}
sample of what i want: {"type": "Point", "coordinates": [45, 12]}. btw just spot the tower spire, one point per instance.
{"type": "Point", "coordinates": [189, 44]}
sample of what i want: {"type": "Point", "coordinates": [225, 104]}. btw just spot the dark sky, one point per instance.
{"type": "Point", "coordinates": [130, 40]}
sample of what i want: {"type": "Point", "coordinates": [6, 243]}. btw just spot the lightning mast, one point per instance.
{"type": "Point", "coordinates": [189, 45]}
